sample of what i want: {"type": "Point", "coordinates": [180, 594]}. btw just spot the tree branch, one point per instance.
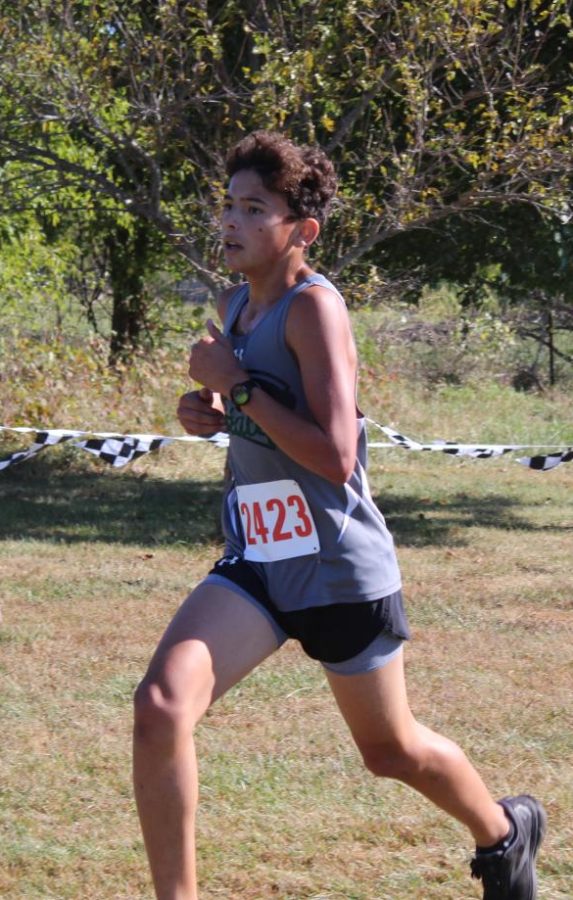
{"type": "Point", "coordinates": [73, 174]}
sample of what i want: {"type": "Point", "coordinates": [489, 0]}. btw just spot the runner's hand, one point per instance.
{"type": "Point", "coordinates": [213, 363]}
{"type": "Point", "coordinates": [201, 413]}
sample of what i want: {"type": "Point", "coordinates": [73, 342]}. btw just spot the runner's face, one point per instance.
{"type": "Point", "coordinates": [257, 224]}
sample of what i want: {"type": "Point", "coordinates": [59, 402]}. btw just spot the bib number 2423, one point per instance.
{"type": "Point", "coordinates": [277, 522]}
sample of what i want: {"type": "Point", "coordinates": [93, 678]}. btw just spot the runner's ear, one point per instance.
{"type": "Point", "coordinates": [308, 230]}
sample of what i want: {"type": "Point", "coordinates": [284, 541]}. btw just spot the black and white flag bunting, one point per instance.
{"type": "Point", "coordinates": [539, 463]}
{"type": "Point", "coordinates": [42, 439]}
{"type": "Point", "coordinates": [119, 449]}
{"type": "Point", "coordinates": [549, 461]}
{"type": "Point", "coordinates": [110, 447]}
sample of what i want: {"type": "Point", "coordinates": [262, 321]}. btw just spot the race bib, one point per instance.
{"type": "Point", "coordinates": [277, 522]}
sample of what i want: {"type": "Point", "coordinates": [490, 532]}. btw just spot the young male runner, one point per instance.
{"type": "Point", "coordinates": [308, 554]}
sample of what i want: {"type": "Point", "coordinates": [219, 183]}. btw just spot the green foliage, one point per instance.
{"type": "Point", "coordinates": [426, 107]}
{"type": "Point", "coordinates": [439, 302]}
{"type": "Point", "coordinates": [65, 380]}
{"type": "Point", "coordinates": [443, 340]}
{"type": "Point", "coordinates": [116, 117]}
{"type": "Point", "coordinates": [34, 279]}
{"type": "Point", "coordinates": [511, 262]}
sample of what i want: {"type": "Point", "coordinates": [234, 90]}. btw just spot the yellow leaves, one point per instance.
{"type": "Point", "coordinates": [308, 61]}
{"type": "Point", "coordinates": [472, 158]}
{"type": "Point", "coordinates": [430, 193]}
{"type": "Point", "coordinates": [372, 205]}
{"type": "Point", "coordinates": [327, 123]}
{"type": "Point", "coordinates": [49, 125]}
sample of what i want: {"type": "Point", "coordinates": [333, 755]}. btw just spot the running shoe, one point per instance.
{"type": "Point", "coordinates": [509, 873]}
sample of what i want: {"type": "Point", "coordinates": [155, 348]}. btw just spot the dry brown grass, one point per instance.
{"type": "Point", "coordinates": [287, 810]}
{"type": "Point", "coordinates": [93, 563]}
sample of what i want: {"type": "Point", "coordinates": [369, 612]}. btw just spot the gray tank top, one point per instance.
{"type": "Point", "coordinates": [343, 551]}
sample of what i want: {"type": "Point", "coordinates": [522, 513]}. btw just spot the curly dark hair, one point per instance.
{"type": "Point", "coordinates": [303, 174]}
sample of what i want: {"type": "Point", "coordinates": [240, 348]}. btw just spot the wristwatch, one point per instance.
{"type": "Point", "coordinates": [241, 392]}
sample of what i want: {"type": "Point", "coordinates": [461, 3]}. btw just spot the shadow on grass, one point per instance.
{"type": "Point", "coordinates": [55, 501]}
{"type": "Point", "coordinates": [417, 523]}
{"type": "Point", "coordinates": [43, 500]}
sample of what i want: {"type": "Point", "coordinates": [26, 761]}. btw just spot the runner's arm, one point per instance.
{"type": "Point", "coordinates": [318, 333]}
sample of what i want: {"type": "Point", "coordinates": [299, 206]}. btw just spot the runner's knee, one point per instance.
{"type": "Point", "coordinates": [392, 759]}
{"type": "Point", "coordinates": [157, 718]}
{"type": "Point", "coordinates": [166, 709]}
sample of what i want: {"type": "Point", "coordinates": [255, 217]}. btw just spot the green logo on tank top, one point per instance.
{"type": "Point", "coordinates": [240, 425]}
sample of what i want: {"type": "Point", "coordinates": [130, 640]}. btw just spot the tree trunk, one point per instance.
{"type": "Point", "coordinates": [551, 346]}
{"type": "Point", "coordinates": [127, 255]}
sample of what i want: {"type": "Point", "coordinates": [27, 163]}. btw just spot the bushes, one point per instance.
{"type": "Point", "coordinates": [440, 341]}
{"type": "Point", "coordinates": [66, 382]}
{"type": "Point", "coordinates": [69, 385]}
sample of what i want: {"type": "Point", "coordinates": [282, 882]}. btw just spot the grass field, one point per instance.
{"type": "Point", "coordinates": [93, 562]}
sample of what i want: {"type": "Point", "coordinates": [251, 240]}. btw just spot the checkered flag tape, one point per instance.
{"type": "Point", "coordinates": [42, 440]}
{"type": "Point", "coordinates": [544, 463]}
{"type": "Point", "coordinates": [220, 439]}
{"type": "Point", "coordinates": [117, 450]}
{"type": "Point", "coordinates": [476, 451]}
{"type": "Point", "coordinates": [120, 450]}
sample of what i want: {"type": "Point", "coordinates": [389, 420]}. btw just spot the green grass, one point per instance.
{"type": "Point", "coordinates": [93, 563]}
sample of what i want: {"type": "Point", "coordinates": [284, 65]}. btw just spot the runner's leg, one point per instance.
{"type": "Point", "coordinates": [395, 745]}
{"type": "Point", "coordinates": [214, 640]}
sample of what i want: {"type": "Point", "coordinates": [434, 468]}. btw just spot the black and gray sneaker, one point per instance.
{"type": "Point", "coordinates": [509, 873]}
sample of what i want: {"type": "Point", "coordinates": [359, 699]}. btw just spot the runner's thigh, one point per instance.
{"type": "Point", "coordinates": [215, 638]}
{"type": "Point", "coordinates": [375, 704]}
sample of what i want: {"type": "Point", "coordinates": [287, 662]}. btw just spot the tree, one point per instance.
{"type": "Point", "coordinates": [517, 255]}
{"type": "Point", "coordinates": [429, 109]}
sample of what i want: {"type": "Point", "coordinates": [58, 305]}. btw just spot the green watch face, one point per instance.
{"type": "Point", "coordinates": [240, 394]}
